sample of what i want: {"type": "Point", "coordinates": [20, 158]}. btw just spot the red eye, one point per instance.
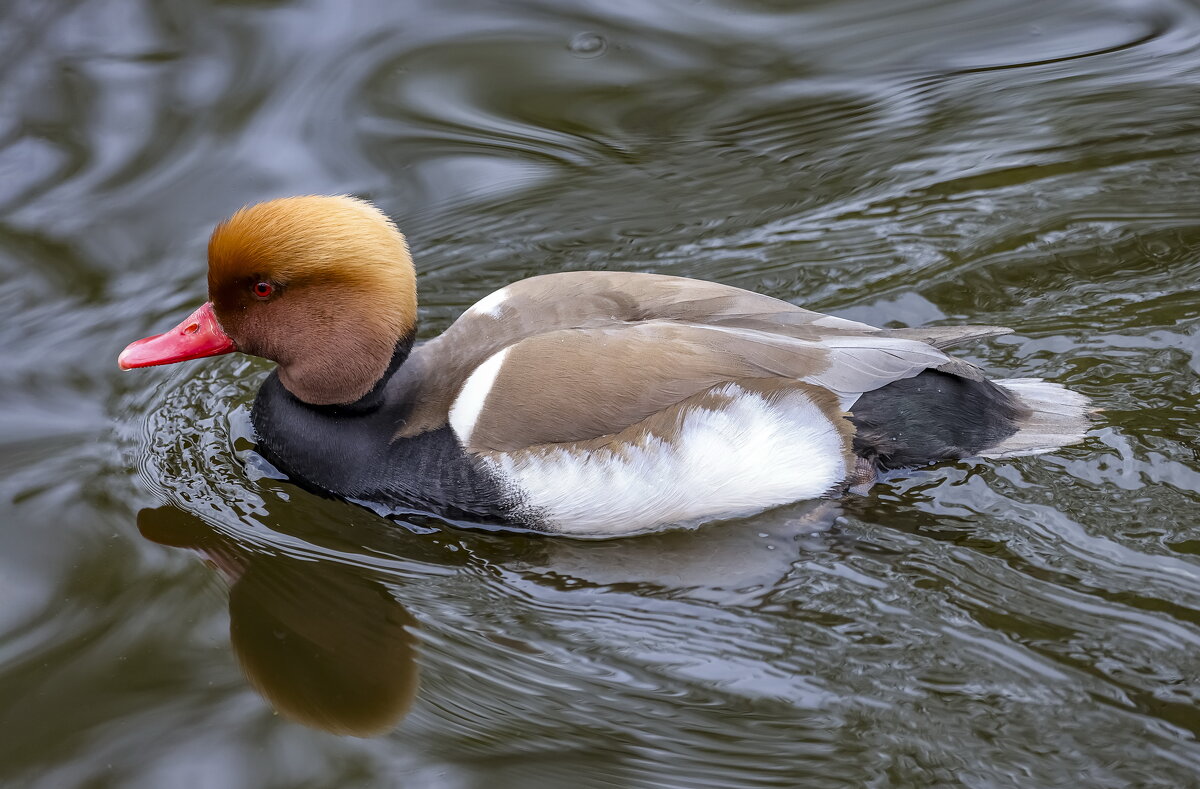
{"type": "Point", "coordinates": [263, 289]}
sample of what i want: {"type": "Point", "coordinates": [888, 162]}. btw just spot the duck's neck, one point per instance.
{"type": "Point", "coordinates": [374, 397]}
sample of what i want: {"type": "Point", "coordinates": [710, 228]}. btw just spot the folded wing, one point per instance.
{"type": "Point", "coordinates": [578, 384]}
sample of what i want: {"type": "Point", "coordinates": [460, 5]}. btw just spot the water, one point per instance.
{"type": "Point", "coordinates": [1033, 622]}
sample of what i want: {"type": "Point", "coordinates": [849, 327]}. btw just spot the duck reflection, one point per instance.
{"type": "Point", "coordinates": [731, 563]}
{"type": "Point", "coordinates": [326, 646]}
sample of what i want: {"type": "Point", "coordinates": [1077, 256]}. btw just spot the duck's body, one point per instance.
{"type": "Point", "coordinates": [603, 404]}
{"type": "Point", "coordinates": [599, 404]}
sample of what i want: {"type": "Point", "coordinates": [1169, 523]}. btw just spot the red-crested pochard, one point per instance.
{"type": "Point", "coordinates": [592, 404]}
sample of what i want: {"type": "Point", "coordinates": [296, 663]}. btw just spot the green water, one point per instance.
{"type": "Point", "coordinates": [1029, 623]}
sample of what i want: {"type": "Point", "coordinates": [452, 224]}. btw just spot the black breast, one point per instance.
{"type": "Point", "coordinates": [348, 452]}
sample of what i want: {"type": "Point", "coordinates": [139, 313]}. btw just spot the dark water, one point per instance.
{"type": "Point", "coordinates": [1024, 623]}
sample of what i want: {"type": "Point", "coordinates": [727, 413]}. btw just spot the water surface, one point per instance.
{"type": "Point", "coordinates": [175, 616]}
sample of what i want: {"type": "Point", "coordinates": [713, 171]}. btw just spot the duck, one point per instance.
{"type": "Point", "coordinates": [589, 404]}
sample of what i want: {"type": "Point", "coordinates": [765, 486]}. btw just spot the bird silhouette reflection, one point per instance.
{"type": "Point", "coordinates": [324, 644]}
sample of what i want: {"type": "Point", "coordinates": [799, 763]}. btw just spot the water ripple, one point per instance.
{"type": "Point", "coordinates": [1031, 621]}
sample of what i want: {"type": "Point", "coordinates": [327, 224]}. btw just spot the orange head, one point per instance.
{"type": "Point", "coordinates": [322, 285]}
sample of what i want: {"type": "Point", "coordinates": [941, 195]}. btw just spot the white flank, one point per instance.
{"type": "Point", "coordinates": [464, 412]}
{"type": "Point", "coordinates": [490, 304]}
{"type": "Point", "coordinates": [742, 458]}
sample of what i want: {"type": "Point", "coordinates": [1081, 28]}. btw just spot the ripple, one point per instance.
{"type": "Point", "coordinates": [923, 161]}
{"type": "Point", "coordinates": [587, 45]}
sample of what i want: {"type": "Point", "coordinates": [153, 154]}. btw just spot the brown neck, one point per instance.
{"type": "Point", "coordinates": [350, 376]}
{"type": "Point", "coordinates": [347, 398]}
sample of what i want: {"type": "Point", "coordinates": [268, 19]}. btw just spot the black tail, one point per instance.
{"type": "Point", "coordinates": [933, 416]}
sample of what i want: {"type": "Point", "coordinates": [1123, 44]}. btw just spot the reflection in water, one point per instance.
{"type": "Point", "coordinates": [731, 563]}
{"type": "Point", "coordinates": [325, 645]}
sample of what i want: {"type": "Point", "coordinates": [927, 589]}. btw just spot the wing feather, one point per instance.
{"type": "Point", "coordinates": [579, 384]}
{"type": "Point", "coordinates": [594, 352]}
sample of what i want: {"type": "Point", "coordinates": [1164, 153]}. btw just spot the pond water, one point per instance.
{"type": "Point", "coordinates": [174, 616]}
